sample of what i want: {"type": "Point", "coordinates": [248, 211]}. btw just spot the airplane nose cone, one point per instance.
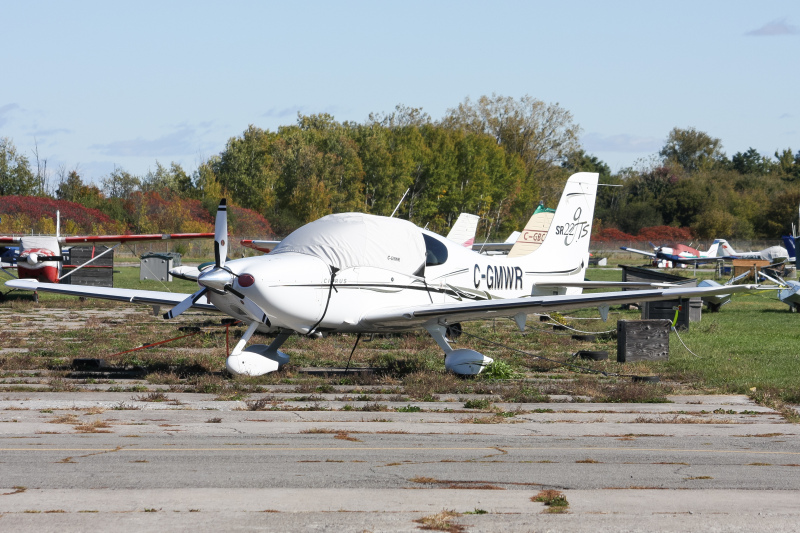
{"type": "Point", "coordinates": [215, 279]}
{"type": "Point", "coordinates": [33, 258]}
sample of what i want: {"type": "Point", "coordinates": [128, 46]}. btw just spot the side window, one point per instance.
{"type": "Point", "coordinates": [435, 251]}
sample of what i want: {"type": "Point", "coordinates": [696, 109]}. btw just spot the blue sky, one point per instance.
{"type": "Point", "coordinates": [104, 84]}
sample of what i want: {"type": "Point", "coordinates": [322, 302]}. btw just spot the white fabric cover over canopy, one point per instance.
{"type": "Point", "coordinates": [347, 240]}
{"type": "Point", "coordinates": [775, 253]}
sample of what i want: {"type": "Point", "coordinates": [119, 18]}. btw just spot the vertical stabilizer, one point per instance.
{"type": "Point", "coordinates": [535, 231]}
{"type": "Point", "coordinates": [789, 242]}
{"type": "Point", "coordinates": [725, 249]}
{"type": "Point", "coordinates": [564, 251]}
{"type": "Point", "coordinates": [463, 231]}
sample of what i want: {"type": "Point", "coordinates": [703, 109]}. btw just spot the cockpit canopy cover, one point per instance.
{"type": "Point", "coordinates": [347, 240]}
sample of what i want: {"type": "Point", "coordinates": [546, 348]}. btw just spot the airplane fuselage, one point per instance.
{"type": "Point", "coordinates": [296, 291]}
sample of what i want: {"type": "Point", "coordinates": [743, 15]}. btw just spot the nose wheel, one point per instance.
{"type": "Point", "coordinates": [258, 359]}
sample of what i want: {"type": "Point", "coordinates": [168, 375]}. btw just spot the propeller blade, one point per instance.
{"type": "Point", "coordinates": [221, 234]}
{"type": "Point", "coordinates": [253, 308]}
{"type": "Point", "coordinates": [185, 304]}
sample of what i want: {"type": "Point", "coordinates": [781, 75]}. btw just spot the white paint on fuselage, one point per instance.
{"type": "Point", "coordinates": [293, 288]}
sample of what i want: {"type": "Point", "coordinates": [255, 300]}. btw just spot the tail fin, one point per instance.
{"type": "Point", "coordinates": [714, 250]}
{"type": "Point", "coordinates": [788, 241]}
{"type": "Point", "coordinates": [535, 232]}
{"type": "Point", "coordinates": [564, 250]}
{"type": "Point", "coordinates": [463, 231]}
{"type": "Point", "coordinates": [725, 249]}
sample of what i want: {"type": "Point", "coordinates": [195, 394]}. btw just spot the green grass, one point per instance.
{"type": "Point", "coordinates": [753, 342]}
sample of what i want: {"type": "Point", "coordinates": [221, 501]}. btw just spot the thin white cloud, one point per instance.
{"type": "Point", "coordinates": [596, 142]}
{"type": "Point", "coordinates": [54, 131]}
{"type": "Point", "coordinates": [5, 111]}
{"type": "Point", "coordinates": [185, 140]}
{"type": "Point", "coordinates": [182, 141]}
{"type": "Point", "coordinates": [275, 112]}
{"type": "Point", "coordinates": [774, 28]}
{"type": "Point", "coordinates": [786, 115]}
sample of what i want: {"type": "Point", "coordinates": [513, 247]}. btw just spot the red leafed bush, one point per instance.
{"type": "Point", "coordinates": [246, 223]}
{"type": "Point", "coordinates": [36, 208]}
{"type": "Point", "coordinates": [662, 234]}
{"type": "Point", "coordinates": [612, 235]}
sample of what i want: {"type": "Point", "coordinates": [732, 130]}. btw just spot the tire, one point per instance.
{"type": "Point", "coordinates": [600, 355]}
{"type": "Point", "coordinates": [585, 338]}
{"type": "Point", "coordinates": [454, 331]}
{"type": "Point", "coordinates": [646, 379]}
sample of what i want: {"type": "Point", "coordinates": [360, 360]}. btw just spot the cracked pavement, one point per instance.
{"type": "Point", "coordinates": [80, 460]}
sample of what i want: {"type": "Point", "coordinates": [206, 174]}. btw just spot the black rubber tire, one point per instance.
{"type": "Point", "coordinates": [543, 318]}
{"type": "Point", "coordinates": [559, 327]}
{"type": "Point", "coordinates": [585, 337]}
{"type": "Point", "coordinates": [598, 355]}
{"type": "Point", "coordinates": [454, 331]}
{"type": "Point", "coordinates": [646, 379]}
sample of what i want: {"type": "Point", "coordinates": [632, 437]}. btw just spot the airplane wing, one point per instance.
{"type": "Point", "coordinates": [134, 238]}
{"type": "Point", "coordinates": [137, 296]}
{"type": "Point", "coordinates": [261, 246]}
{"type": "Point", "coordinates": [9, 240]}
{"type": "Point", "coordinates": [607, 284]}
{"type": "Point", "coordinates": [634, 250]}
{"type": "Point", "coordinates": [417, 316]}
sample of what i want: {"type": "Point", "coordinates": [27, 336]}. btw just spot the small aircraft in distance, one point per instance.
{"type": "Point", "coordinates": [720, 250]}
{"type": "Point", "coordinates": [40, 258]}
{"type": "Point", "coordinates": [359, 273]}
{"type": "Point", "coordinates": [522, 243]}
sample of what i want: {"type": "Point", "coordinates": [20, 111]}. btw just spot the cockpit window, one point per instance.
{"type": "Point", "coordinates": [435, 251]}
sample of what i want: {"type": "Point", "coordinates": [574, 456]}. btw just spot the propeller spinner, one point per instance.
{"type": "Point", "coordinates": [219, 279]}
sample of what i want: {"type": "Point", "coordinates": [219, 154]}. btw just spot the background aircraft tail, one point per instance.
{"type": "Point", "coordinates": [535, 232]}
{"type": "Point", "coordinates": [788, 241]}
{"type": "Point", "coordinates": [564, 249]}
{"type": "Point", "coordinates": [724, 249]}
{"type": "Point", "coordinates": [463, 231]}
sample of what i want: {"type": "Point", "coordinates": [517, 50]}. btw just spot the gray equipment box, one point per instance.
{"type": "Point", "coordinates": [642, 340]}
{"type": "Point", "coordinates": [98, 273]}
{"type": "Point", "coordinates": [157, 265]}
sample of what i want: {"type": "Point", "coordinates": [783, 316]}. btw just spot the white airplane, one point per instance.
{"type": "Point", "coordinates": [40, 255]}
{"type": "Point", "coordinates": [719, 250]}
{"type": "Point", "coordinates": [358, 273]}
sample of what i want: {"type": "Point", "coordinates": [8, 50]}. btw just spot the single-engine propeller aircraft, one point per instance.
{"type": "Point", "coordinates": [359, 273]}
{"type": "Point", "coordinates": [720, 250]}
{"type": "Point", "coordinates": [40, 256]}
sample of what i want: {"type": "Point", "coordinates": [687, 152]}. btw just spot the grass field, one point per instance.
{"type": "Point", "coordinates": [753, 343]}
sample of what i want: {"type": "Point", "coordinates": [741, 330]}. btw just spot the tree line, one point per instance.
{"type": "Point", "coordinates": [497, 157]}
